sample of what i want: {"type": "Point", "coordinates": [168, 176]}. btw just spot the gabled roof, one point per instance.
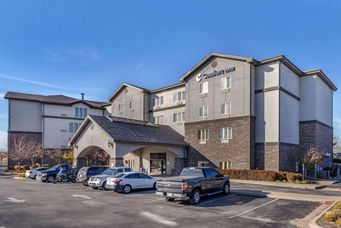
{"type": "Point", "coordinates": [213, 55]}
{"type": "Point", "coordinates": [280, 58]}
{"type": "Point", "coordinates": [123, 86]}
{"type": "Point", "coordinates": [133, 131]}
{"type": "Point", "coordinates": [53, 99]}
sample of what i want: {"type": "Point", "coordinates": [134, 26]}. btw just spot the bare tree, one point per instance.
{"type": "Point", "coordinates": [3, 155]}
{"type": "Point", "coordinates": [312, 156]}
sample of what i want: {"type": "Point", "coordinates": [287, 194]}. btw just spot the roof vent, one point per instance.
{"type": "Point", "coordinates": [82, 95]}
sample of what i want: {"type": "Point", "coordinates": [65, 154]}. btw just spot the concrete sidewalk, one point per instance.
{"type": "Point", "coordinates": [320, 185]}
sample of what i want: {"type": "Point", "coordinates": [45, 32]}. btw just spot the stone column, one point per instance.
{"type": "Point", "coordinates": [116, 162]}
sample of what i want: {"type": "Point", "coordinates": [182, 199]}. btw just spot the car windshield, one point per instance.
{"type": "Point", "coordinates": [109, 171]}
{"type": "Point", "coordinates": [54, 167]}
{"type": "Point", "coordinates": [191, 173]}
{"type": "Point", "coordinates": [120, 175]}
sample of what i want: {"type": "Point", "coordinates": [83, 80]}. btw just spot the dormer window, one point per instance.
{"type": "Point", "coordinates": [81, 112]}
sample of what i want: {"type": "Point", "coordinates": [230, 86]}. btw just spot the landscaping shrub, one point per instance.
{"type": "Point", "coordinates": [338, 205]}
{"type": "Point", "coordinates": [333, 215]}
{"type": "Point", "coordinates": [293, 177]}
{"type": "Point", "coordinates": [338, 222]}
{"type": "Point", "coordinates": [21, 175]}
{"type": "Point", "coordinates": [261, 175]}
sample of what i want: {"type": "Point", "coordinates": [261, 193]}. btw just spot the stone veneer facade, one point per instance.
{"type": "Point", "coordinates": [318, 135]}
{"type": "Point", "coordinates": [239, 150]}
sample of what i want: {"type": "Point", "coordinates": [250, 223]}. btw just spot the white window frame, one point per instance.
{"type": "Point", "coordinates": [178, 117]}
{"type": "Point", "coordinates": [203, 111]}
{"type": "Point", "coordinates": [226, 82]}
{"type": "Point", "coordinates": [203, 88]}
{"type": "Point", "coordinates": [158, 101]}
{"type": "Point", "coordinates": [225, 165]}
{"type": "Point", "coordinates": [158, 119]}
{"type": "Point", "coordinates": [225, 108]}
{"type": "Point", "coordinates": [81, 112]}
{"type": "Point", "coordinates": [225, 133]}
{"type": "Point", "coordinates": [179, 96]}
{"type": "Point", "coordinates": [203, 134]}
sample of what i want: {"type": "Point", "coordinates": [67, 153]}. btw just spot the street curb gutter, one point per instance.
{"type": "Point", "coordinates": [313, 223]}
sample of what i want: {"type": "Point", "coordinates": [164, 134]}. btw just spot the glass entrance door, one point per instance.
{"type": "Point", "coordinates": [158, 163]}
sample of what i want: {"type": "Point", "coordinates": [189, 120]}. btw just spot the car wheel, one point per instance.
{"type": "Point", "coordinates": [50, 179]}
{"type": "Point", "coordinates": [170, 199]}
{"type": "Point", "coordinates": [227, 188]}
{"type": "Point", "coordinates": [103, 186]}
{"type": "Point", "coordinates": [195, 197]}
{"type": "Point", "coordinates": [154, 186]}
{"type": "Point", "coordinates": [126, 189]}
{"type": "Point", "coordinates": [93, 187]}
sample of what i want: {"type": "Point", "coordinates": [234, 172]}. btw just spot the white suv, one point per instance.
{"type": "Point", "coordinates": [99, 181]}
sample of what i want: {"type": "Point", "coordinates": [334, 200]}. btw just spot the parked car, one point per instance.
{"type": "Point", "coordinates": [86, 172]}
{"type": "Point", "coordinates": [127, 182]}
{"type": "Point", "coordinates": [51, 173]}
{"type": "Point", "coordinates": [192, 184]}
{"type": "Point", "coordinates": [99, 181]}
{"type": "Point", "coordinates": [27, 173]}
{"type": "Point", "coordinates": [68, 175]}
{"type": "Point", "coordinates": [34, 172]}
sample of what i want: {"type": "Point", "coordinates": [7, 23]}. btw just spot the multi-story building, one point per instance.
{"type": "Point", "coordinates": [230, 111]}
{"type": "Point", "coordinates": [50, 119]}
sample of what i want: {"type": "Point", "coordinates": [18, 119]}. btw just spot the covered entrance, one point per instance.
{"type": "Point", "coordinates": [154, 149]}
{"type": "Point", "coordinates": [158, 163]}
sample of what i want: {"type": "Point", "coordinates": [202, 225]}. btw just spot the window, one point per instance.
{"type": "Point", "coordinates": [210, 173]}
{"type": "Point", "coordinates": [178, 117]}
{"type": "Point", "coordinates": [73, 127]}
{"type": "Point", "coordinates": [131, 104]}
{"type": "Point", "coordinates": [226, 108]}
{"type": "Point", "coordinates": [202, 164]}
{"type": "Point", "coordinates": [81, 112]}
{"type": "Point", "coordinates": [179, 96]}
{"type": "Point", "coordinates": [120, 107]}
{"type": "Point", "coordinates": [158, 101]}
{"type": "Point", "coordinates": [158, 120]}
{"type": "Point", "coordinates": [203, 134]}
{"type": "Point", "coordinates": [225, 133]}
{"type": "Point", "coordinates": [225, 165]}
{"type": "Point", "coordinates": [204, 87]}
{"type": "Point", "coordinates": [203, 111]}
{"type": "Point", "coordinates": [226, 83]}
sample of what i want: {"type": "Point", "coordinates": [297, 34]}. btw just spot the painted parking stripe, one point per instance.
{"type": "Point", "coordinates": [81, 196]}
{"type": "Point", "coordinates": [158, 219]}
{"type": "Point", "coordinates": [252, 209]}
{"type": "Point", "coordinates": [218, 198]}
{"type": "Point", "coordinates": [15, 200]}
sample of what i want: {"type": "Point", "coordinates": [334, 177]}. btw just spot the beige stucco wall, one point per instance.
{"type": "Point", "coordinates": [25, 116]}
{"type": "Point", "coordinates": [289, 123]}
{"type": "Point", "coordinates": [68, 111]}
{"type": "Point", "coordinates": [168, 119]}
{"type": "Point", "coordinates": [126, 95]}
{"type": "Point", "coordinates": [316, 100]}
{"type": "Point", "coordinates": [267, 75]}
{"type": "Point", "coordinates": [239, 94]}
{"type": "Point", "coordinates": [94, 136]}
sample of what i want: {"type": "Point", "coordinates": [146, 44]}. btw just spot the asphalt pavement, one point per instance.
{"type": "Point", "coordinates": [28, 203]}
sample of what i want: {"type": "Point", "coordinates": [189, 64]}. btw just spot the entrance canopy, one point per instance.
{"type": "Point", "coordinates": [119, 136]}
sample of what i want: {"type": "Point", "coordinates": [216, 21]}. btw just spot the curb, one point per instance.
{"type": "Point", "coordinates": [295, 186]}
{"type": "Point", "coordinates": [313, 223]}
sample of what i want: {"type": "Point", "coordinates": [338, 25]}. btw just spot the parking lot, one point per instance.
{"type": "Point", "coordinates": [28, 203]}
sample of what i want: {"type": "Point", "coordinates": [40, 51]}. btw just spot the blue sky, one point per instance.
{"type": "Point", "coordinates": [69, 47]}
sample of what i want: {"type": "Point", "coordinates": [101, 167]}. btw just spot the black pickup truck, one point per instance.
{"type": "Point", "coordinates": [192, 184]}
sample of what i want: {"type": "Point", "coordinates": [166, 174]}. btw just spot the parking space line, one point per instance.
{"type": "Point", "coordinates": [252, 209]}
{"type": "Point", "coordinates": [81, 196]}
{"type": "Point", "coordinates": [158, 219]}
{"type": "Point", "coordinates": [219, 198]}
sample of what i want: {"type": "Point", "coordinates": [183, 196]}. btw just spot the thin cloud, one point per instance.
{"type": "Point", "coordinates": [2, 96]}
{"type": "Point", "coordinates": [33, 82]}
{"type": "Point", "coordinates": [54, 57]}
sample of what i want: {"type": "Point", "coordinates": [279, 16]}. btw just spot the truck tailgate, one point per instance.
{"type": "Point", "coordinates": [169, 186]}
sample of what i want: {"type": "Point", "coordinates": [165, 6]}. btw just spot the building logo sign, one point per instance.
{"type": "Point", "coordinates": [200, 77]}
